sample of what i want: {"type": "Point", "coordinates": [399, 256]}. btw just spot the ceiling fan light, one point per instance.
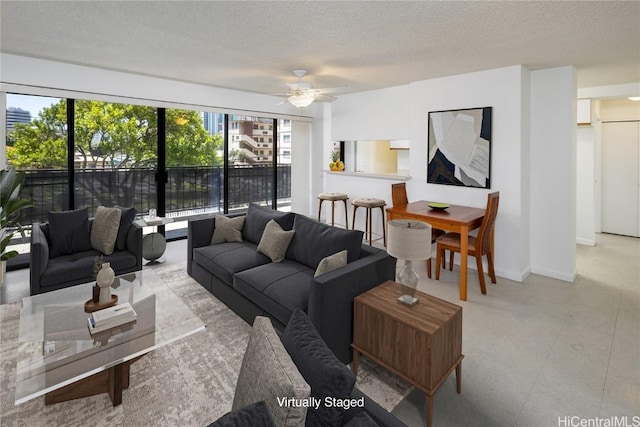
{"type": "Point", "coordinates": [302, 100]}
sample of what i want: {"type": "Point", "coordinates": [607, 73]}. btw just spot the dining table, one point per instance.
{"type": "Point", "coordinates": [455, 218]}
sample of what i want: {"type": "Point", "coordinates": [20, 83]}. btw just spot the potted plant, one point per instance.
{"type": "Point", "coordinates": [336, 164]}
{"type": "Point", "coordinates": [10, 204]}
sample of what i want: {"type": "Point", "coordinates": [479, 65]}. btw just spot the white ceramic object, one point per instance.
{"type": "Point", "coordinates": [104, 280]}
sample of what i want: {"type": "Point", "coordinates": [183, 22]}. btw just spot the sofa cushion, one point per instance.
{"type": "Point", "coordinates": [268, 373]}
{"type": "Point", "coordinates": [275, 241]}
{"type": "Point", "coordinates": [278, 288]}
{"type": "Point", "coordinates": [327, 376]}
{"type": "Point", "coordinates": [227, 229]}
{"type": "Point", "coordinates": [73, 267]}
{"type": "Point", "coordinates": [255, 415]}
{"type": "Point", "coordinates": [330, 263]}
{"type": "Point", "coordinates": [69, 232]}
{"type": "Point", "coordinates": [361, 420]}
{"type": "Point", "coordinates": [104, 230]}
{"type": "Point", "coordinates": [314, 241]}
{"type": "Point", "coordinates": [226, 259]}
{"type": "Point", "coordinates": [126, 219]}
{"type": "Point", "coordinates": [258, 217]}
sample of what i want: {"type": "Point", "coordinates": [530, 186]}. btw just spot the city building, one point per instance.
{"type": "Point", "coordinates": [16, 115]}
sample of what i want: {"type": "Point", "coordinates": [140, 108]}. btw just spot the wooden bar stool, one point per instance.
{"type": "Point", "coordinates": [370, 203]}
{"type": "Point", "coordinates": [333, 198]}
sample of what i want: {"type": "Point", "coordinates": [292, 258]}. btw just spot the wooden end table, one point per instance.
{"type": "Point", "coordinates": [421, 344]}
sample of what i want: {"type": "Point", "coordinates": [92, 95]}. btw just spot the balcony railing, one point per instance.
{"type": "Point", "coordinates": [189, 190]}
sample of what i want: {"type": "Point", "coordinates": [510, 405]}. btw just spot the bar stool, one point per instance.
{"type": "Point", "coordinates": [369, 204]}
{"type": "Point", "coordinates": [333, 198]}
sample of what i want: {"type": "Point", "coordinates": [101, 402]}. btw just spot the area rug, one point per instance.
{"type": "Point", "coordinates": [190, 382]}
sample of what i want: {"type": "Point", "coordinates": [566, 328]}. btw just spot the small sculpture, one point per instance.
{"type": "Point", "coordinates": [104, 280]}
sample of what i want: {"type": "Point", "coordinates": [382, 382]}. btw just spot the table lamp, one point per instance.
{"type": "Point", "coordinates": [409, 240]}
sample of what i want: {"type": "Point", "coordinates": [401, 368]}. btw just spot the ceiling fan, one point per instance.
{"type": "Point", "coordinates": [302, 94]}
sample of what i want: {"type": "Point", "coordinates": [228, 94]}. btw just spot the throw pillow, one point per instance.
{"type": "Point", "coordinates": [331, 263]}
{"type": "Point", "coordinates": [227, 229]}
{"type": "Point", "coordinates": [258, 217]}
{"type": "Point", "coordinates": [104, 230]}
{"type": "Point", "coordinates": [275, 241]}
{"type": "Point", "coordinates": [327, 376]}
{"type": "Point", "coordinates": [126, 219]}
{"type": "Point", "coordinates": [69, 232]}
{"type": "Point", "coordinates": [268, 373]}
{"type": "Point", "coordinates": [255, 415]}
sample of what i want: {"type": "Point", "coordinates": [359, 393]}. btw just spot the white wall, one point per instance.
{"type": "Point", "coordinates": [37, 75]}
{"type": "Point", "coordinates": [371, 115]}
{"type": "Point", "coordinates": [585, 185]}
{"type": "Point", "coordinates": [553, 165]}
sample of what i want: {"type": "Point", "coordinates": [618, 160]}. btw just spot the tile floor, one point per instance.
{"type": "Point", "coordinates": [544, 349]}
{"type": "Point", "coordinates": [535, 352]}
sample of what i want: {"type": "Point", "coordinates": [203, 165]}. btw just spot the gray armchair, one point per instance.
{"type": "Point", "coordinates": [49, 274]}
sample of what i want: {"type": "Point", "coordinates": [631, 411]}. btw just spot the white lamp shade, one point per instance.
{"type": "Point", "coordinates": [302, 100]}
{"type": "Point", "coordinates": [409, 240]}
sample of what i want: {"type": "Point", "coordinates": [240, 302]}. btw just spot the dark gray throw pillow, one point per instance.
{"type": "Point", "coordinates": [321, 369]}
{"type": "Point", "coordinates": [314, 241]}
{"type": "Point", "coordinates": [255, 415]}
{"type": "Point", "coordinates": [126, 219]}
{"type": "Point", "coordinates": [69, 232]}
{"type": "Point", "coordinates": [258, 217]}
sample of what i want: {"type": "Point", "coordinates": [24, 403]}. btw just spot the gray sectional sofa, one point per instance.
{"type": "Point", "coordinates": [251, 285]}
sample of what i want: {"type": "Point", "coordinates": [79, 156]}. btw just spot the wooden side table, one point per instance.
{"type": "Point", "coordinates": [422, 343]}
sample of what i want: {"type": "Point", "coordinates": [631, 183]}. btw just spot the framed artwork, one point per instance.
{"type": "Point", "coordinates": [460, 147]}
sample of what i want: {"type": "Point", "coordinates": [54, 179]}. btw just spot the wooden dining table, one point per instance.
{"type": "Point", "coordinates": [458, 219]}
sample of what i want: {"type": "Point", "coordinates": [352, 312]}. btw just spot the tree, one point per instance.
{"type": "Point", "coordinates": [111, 135]}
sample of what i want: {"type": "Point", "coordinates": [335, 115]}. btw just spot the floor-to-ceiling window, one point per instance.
{"type": "Point", "coordinates": [251, 161]}
{"type": "Point", "coordinates": [86, 153]}
{"type": "Point", "coordinates": [115, 155]}
{"type": "Point", "coordinates": [194, 164]}
{"type": "Point", "coordinates": [36, 143]}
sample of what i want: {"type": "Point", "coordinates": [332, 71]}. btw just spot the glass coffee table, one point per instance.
{"type": "Point", "coordinates": [60, 359]}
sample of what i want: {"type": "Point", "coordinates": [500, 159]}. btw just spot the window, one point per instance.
{"type": "Point", "coordinates": [37, 144]}
{"type": "Point", "coordinates": [146, 157]}
{"type": "Point", "coordinates": [115, 149]}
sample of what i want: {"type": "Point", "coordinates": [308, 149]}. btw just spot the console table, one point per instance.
{"type": "Point", "coordinates": [421, 343]}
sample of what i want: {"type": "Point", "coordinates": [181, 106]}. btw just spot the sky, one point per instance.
{"type": "Point", "coordinates": [30, 103]}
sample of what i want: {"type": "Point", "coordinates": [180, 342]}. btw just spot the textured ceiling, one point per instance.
{"type": "Point", "coordinates": [254, 45]}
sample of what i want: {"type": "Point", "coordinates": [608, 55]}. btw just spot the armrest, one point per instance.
{"type": "Point", "coordinates": [331, 297]}
{"type": "Point", "coordinates": [39, 257]}
{"type": "Point", "coordinates": [134, 243]}
{"type": "Point", "coordinates": [199, 234]}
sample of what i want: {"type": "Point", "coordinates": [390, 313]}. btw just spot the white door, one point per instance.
{"type": "Point", "coordinates": [621, 178]}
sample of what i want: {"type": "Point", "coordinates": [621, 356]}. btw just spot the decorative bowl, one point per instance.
{"type": "Point", "coordinates": [438, 206]}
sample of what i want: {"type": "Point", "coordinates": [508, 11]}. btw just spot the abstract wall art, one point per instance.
{"type": "Point", "coordinates": [460, 147]}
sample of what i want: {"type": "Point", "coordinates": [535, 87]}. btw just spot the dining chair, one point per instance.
{"type": "Point", "coordinates": [399, 198]}
{"type": "Point", "coordinates": [478, 246]}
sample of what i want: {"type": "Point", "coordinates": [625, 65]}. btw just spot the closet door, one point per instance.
{"type": "Point", "coordinates": [621, 178]}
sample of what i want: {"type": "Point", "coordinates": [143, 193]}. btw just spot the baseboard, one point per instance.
{"type": "Point", "coordinates": [586, 242]}
{"type": "Point", "coordinates": [566, 277]}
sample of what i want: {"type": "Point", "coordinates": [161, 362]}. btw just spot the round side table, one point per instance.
{"type": "Point", "coordinates": [154, 244]}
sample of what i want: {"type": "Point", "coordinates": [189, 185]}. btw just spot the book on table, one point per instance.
{"type": "Point", "coordinates": [111, 317]}
{"type": "Point", "coordinates": [152, 221]}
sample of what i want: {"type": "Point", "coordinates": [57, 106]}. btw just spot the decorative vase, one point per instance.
{"type": "Point", "coordinates": [104, 279]}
